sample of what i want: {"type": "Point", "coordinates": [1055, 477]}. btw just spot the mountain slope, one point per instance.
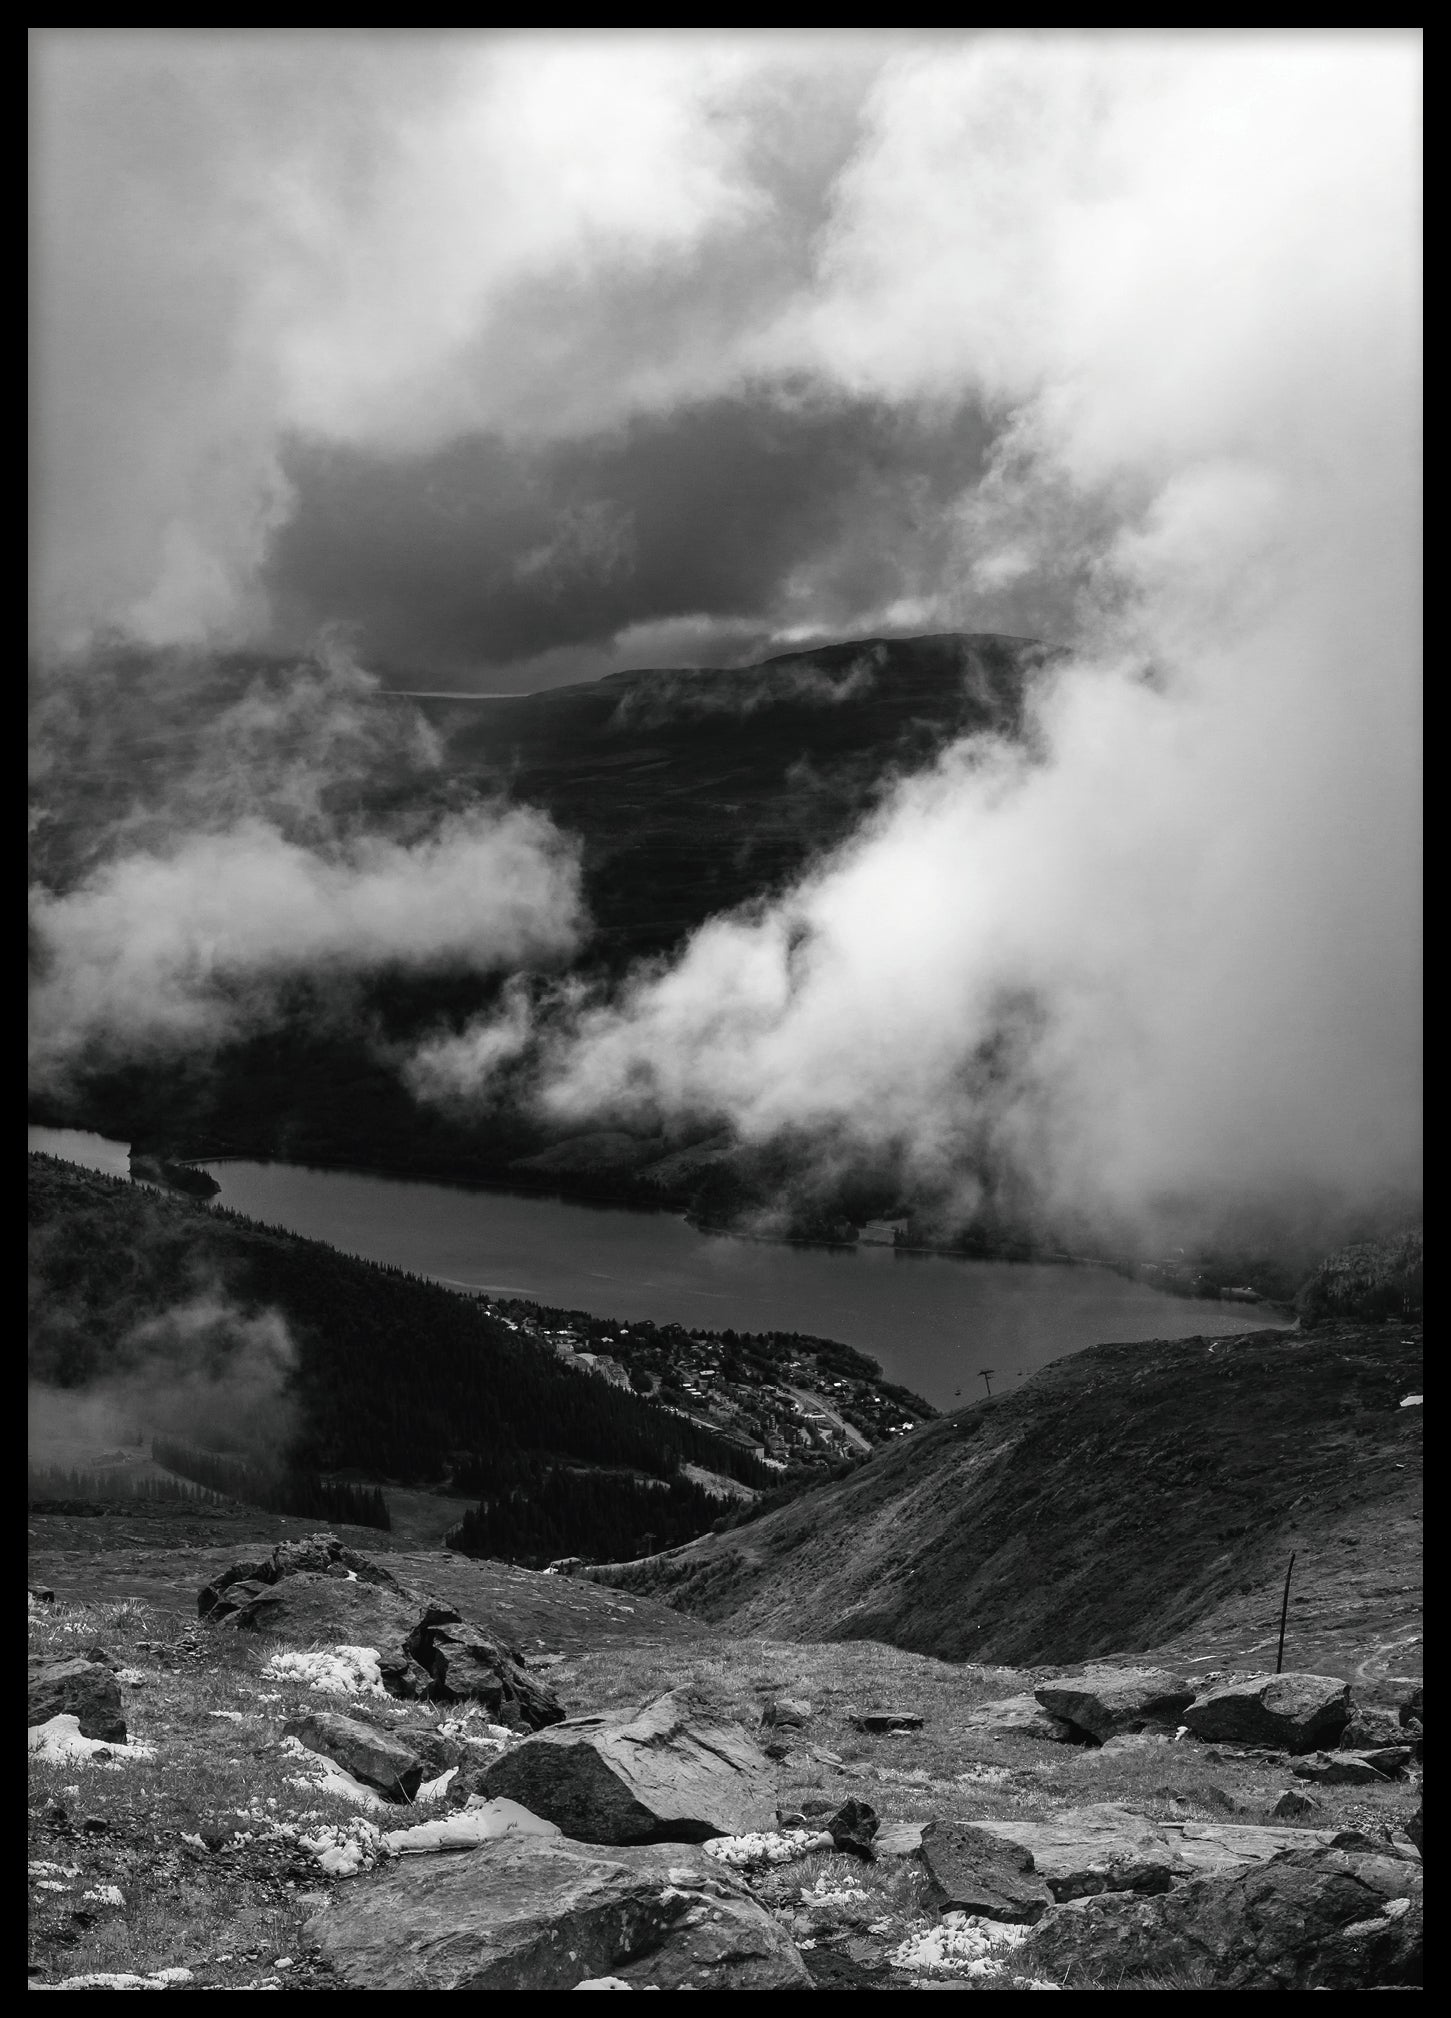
{"type": "Point", "coordinates": [1127, 1498]}
{"type": "Point", "coordinates": [695, 791]}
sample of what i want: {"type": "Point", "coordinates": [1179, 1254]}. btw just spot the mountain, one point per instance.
{"type": "Point", "coordinates": [1127, 1499]}
{"type": "Point", "coordinates": [695, 791]}
{"type": "Point", "coordinates": [689, 793]}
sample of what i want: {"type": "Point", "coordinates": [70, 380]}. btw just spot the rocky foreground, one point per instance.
{"type": "Point", "coordinates": [336, 1779]}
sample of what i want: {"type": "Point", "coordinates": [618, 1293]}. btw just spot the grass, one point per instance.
{"type": "Point", "coordinates": [125, 1825]}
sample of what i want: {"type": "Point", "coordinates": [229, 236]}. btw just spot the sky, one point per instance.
{"type": "Point", "coordinates": [505, 359]}
{"type": "Point", "coordinates": [524, 356]}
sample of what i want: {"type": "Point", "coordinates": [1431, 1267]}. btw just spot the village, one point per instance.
{"type": "Point", "coordinates": [792, 1401]}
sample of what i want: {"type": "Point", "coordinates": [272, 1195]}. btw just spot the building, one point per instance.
{"type": "Point", "coordinates": [883, 1233]}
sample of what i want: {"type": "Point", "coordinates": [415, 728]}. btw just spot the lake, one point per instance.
{"type": "Point", "coordinates": [930, 1321]}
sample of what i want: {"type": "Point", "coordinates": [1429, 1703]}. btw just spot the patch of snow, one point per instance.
{"type": "Point", "coordinates": [344, 1849]}
{"type": "Point", "coordinates": [42, 1868]}
{"type": "Point", "coordinates": [767, 1846]}
{"type": "Point", "coordinates": [61, 1738]}
{"type": "Point", "coordinates": [607, 1983]}
{"type": "Point", "coordinates": [1412, 1401]}
{"type": "Point", "coordinates": [232, 1716]}
{"type": "Point", "coordinates": [162, 1979]}
{"type": "Point", "coordinates": [470, 1827]}
{"type": "Point", "coordinates": [134, 1678]}
{"type": "Point", "coordinates": [106, 1895]}
{"type": "Point", "coordinates": [960, 1944]}
{"type": "Point", "coordinates": [340, 1671]}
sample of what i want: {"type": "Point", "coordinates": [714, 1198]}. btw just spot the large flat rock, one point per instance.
{"type": "Point", "coordinates": [1018, 1717]}
{"type": "Point", "coordinates": [525, 1913]}
{"type": "Point", "coordinates": [1105, 1702]}
{"type": "Point", "coordinates": [673, 1772]}
{"type": "Point", "coordinates": [1076, 1847]}
{"type": "Point", "coordinates": [1293, 1712]}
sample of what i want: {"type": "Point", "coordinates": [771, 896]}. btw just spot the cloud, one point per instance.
{"type": "Point", "coordinates": [385, 242]}
{"type": "Point", "coordinates": [536, 349]}
{"type": "Point", "coordinates": [1175, 950]}
{"type": "Point", "coordinates": [204, 1370]}
{"type": "Point", "coordinates": [209, 834]}
{"type": "Point", "coordinates": [761, 509]}
{"type": "Point", "coordinates": [194, 942]}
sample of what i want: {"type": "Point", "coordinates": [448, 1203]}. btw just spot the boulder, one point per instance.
{"type": "Point", "coordinates": [1392, 1760]}
{"type": "Point", "coordinates": [852, 1828]}
{"type": "Point", "coordinates": [402, 1676]}
{"type": "Point", "coordinates": [41, 1593]}
{"type": "Point", "coordinates": [315, 1555]}
{"type": "Point", "coordinates": [1293, 1713]}
{"type": "Point", "coordinates": [1416, 1827]}
{"type": "Point", "coordinates": [253, 1571]}
{"type": "Point", "coordinates": [973, 1871]}
{"type": "Point", "coordinates": [898, 1839]}
{"type": "Point", "coordinates": [311, 1608]}
{"type": "Point", "coordinates": [881, 1722]}
{"type": "Point", "coordinates": [325, 1555]}
{"type": "Point", "coordinates": [1104, 1847]}
{"type": "Point", "coordinates": [1107, 1701]}
{"type": "Point", "coordinates": [1295, 1806]}
{"type": "Point", "coordinates": [1370, 1729]}
{"type": "Point", "coordinates": [1412, 1710]}
{"type": "Point", "coordinates": [788, 1712]}
{"type": "Point", "coordinates": [85, 1690]}
{"type": "Point", "coordinates": [1019, 1717]}
{"type": "Point", "coordinates": [526, 1913]}
{"type": "Point", "coordinates": [675, 1771]}
{"type": "Point", "coordinates": [1319, 1919]}
{"type": "Point", "coordinates": [466, 1664]}
{"type": "Point", "coordinates": [1339, 1769]}
{"type": "Point", "coordinates": [375, 1757]}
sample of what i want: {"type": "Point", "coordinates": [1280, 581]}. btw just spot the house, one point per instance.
{"type": "Point", "coordinates": [883, 1233]}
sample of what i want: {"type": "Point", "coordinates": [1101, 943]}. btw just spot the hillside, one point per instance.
{"type": "Point", "coordinates": [156, 1318]}
{"type": "Point", "coordinates": [696, 791]}
{"type": "Point", "coordinates": [689, 793]}
{"type": "Point", "coordinates": [1128, 1498]}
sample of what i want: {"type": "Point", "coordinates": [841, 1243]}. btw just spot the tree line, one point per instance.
{"type": "Point", "coordinates": [283, 1492]}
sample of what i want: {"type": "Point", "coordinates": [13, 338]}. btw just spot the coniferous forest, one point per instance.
{"type": "Point", "coordinates": [388, 1375]}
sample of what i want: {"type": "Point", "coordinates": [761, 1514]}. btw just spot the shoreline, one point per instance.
{"type": "Point", "coordinates": [1045, 1258]}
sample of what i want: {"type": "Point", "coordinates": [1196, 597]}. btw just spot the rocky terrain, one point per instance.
{"type": "Point", "coordinates": [1139, 1499]}
{"type": "Point", "coordinates": [307, 1767]}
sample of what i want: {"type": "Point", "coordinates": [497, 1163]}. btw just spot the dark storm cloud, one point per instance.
{"type": "Point", "coordinates": [743, 513]}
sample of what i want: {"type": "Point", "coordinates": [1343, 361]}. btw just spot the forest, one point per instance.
{"type": "Point", "coordinates": [390, 1376]}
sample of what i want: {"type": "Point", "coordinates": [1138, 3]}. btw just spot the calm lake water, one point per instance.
{"type": "Point", "coordinates": [930, 1322]}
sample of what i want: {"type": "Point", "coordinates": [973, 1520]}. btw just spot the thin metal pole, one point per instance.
{"type": "Point", "coordinates": [1284, 1614]}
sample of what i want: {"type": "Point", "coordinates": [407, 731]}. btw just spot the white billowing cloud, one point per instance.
{"type": "Point", "coordinates": [463, 1065]}
{"type": "Point", "coordinates": [190, 942]}
{"type": "Point", "coordinates": [1179, 949]}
